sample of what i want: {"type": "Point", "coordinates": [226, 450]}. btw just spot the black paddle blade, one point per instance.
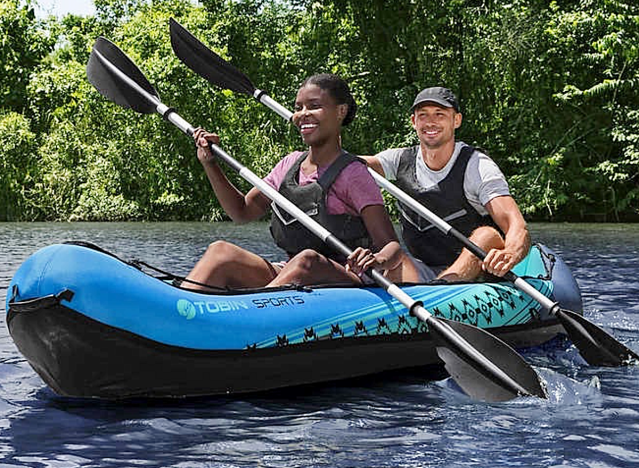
{"type": "Point", "coordinates": [207, 63]}
{"type": "Point", "coordinates": [481, 383]}
{"type": "Point", "coordinates": [115, 84]}
{"type": "Point", "coordinates": [596, 346]}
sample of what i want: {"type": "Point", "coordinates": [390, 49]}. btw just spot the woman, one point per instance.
{"type": "Point", "coordinates": [326, 182]}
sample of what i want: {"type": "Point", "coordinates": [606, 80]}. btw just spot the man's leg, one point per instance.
{"type": "Point", "coordinates": [467, 267]}
{"type": "Point", "coordinates": [406, 272]}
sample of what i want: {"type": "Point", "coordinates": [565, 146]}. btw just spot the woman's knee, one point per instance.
{"type": "Point", "coordinates": [222, 248]}
{"type": "Point", "coordinates": [222, 252]}
{"type": "Point", "coordinates": [306, 260]}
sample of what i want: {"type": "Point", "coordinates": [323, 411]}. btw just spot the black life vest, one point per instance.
{"type": "Point", "coordinates": [292, 236]}
{"type": "Point", "coordinates": [447, 200]}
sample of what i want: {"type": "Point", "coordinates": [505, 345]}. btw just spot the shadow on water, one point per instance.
{"type": "Point", "coordinates": [250, 427]}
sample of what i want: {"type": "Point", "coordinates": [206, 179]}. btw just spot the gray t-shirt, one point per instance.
{"type": "Point", "coordinates": [483, 180]}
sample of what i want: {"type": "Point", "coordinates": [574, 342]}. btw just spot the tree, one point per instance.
{"type": "Point", "coordinates": [548, 88]}
{"type": "Point", "coordinates": [24, 42]}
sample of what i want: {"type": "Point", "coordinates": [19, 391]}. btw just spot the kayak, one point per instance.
{"type": "Point", "coordinates": [92, 325]}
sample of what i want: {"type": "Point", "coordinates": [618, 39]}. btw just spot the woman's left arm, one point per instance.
{"type": "Point", "coordinates": [387, 251]}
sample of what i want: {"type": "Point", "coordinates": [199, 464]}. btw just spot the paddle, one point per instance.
{"type": "Point", "coordinates": [484, 367]}
{"type": "Point", "coordinates": [595, 345]}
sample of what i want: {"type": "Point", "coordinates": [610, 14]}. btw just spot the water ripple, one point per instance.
{"type": "Point", "coordinates": [591, 418]}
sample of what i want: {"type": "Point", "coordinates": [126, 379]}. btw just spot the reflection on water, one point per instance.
{"type": "Point", "coordinates": [590, 420]}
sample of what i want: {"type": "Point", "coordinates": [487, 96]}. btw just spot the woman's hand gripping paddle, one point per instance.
{"type": "Point", "coordinates": [596, 346]}
{"type": "Point", "coordinates": [483, 366]}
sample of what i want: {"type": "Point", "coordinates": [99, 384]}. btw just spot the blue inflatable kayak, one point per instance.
{"type": "Point", "coordinates": [92, 325]}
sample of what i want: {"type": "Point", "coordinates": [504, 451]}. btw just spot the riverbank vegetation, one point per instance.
{"type": "Point", "coordinates": [549, 88]}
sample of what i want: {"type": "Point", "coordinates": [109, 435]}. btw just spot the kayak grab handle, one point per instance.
{"type": "Point", "coordinates": [31, 305]}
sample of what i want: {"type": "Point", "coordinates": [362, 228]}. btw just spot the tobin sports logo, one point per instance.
{"type": "Point", "coordinates": [189, 309]}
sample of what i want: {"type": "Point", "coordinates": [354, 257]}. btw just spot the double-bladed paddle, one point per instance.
{"type": "Point", "coordinates": [485, 367]}
{"type": "Point", "coordinates": [595, 344]}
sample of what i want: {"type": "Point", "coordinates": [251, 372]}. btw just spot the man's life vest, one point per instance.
{"type": "Point", "coordinates": [447, 200]}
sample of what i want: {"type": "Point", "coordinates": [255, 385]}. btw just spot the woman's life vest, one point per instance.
{"type": "Point", "coordinates": [292, 236]}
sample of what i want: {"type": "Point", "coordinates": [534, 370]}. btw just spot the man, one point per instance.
{"type": "Point", "coordinates": [459, 184]}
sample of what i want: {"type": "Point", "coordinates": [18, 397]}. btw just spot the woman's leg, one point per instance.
{"type": "Point", "coordinates": [310, 267]}
{"type": "Point", "coordinates": [467, 267]}
{"type": "Point", "coordinates": [225, 265]}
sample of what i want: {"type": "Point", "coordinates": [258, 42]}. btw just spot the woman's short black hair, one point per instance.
{"type": "Point", "coordinates": [338, 89]}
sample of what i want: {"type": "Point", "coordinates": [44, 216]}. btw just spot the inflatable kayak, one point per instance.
{"type": "Point", "coordinates": [93, 325]}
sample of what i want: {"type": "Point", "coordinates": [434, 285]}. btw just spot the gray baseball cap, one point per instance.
{"type": "Point", "coordinates": [440, 96]}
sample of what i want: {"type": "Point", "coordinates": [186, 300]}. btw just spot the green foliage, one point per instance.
{"type": "Point", "coordinates": [548, 88]}
{"type": "Point", "coordinates": [23, 44]}
{"type": "Point", "coordinates": [18, 166]}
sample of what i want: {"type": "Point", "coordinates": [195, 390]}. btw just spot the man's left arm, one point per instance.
{"type": "Point", "coordinates": [506, 213]}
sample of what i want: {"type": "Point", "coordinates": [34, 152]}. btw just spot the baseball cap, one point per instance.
{"type": "Point", "coordinates": [441, 96]}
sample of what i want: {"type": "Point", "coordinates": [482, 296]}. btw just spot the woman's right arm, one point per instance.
{"type": "Point", "coordinates": [240, 208]}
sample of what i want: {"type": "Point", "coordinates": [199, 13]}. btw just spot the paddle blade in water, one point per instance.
{"type": "Point", "coordinates": [111, 72]}
{"type": "Point", "coordinates": [207, 63]}
{"type": "Point", "coordinates": [476, 381]}
{"type": "Point", "coordinates": [596, 346]}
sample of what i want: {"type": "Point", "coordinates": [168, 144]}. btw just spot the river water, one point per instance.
{"type": "Point", "coordinates": [590, 420]}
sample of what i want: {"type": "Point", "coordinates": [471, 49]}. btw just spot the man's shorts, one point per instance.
{"type": "Point", "coordinates": [426, 273]}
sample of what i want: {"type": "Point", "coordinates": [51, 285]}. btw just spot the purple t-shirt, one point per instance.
{"type": "Point", "coordinates": [353, 190]}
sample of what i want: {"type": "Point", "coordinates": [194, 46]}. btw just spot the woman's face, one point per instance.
{"type": "Point", "coordinates": [317, 115]}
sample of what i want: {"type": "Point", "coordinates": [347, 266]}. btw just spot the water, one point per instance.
{"type": "Point", "coordinates": [590, 420]}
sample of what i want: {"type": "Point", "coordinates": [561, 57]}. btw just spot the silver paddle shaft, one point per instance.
{"type": "Point", "coordinates": [409, 201]}
{"type": "Point", "coordinates": [415, 307]}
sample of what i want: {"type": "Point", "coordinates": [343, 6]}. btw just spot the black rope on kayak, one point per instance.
{"type": "Point", "coordinates": [91, 246]}
{"type": "Point", "coordinates": [549, 261]}
{"type": "Point", "coordinates": [139, 264]}
{"type": "Point", "coordinates": [177, 281]}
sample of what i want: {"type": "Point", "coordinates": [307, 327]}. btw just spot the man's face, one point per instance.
{"type": "Point", "coordinates": [435, 125]}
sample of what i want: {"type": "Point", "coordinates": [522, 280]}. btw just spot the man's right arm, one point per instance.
{"type": "Point", "coordinates": [374, 163]}
{"type": "Point", "coordinates": [385, 162]}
